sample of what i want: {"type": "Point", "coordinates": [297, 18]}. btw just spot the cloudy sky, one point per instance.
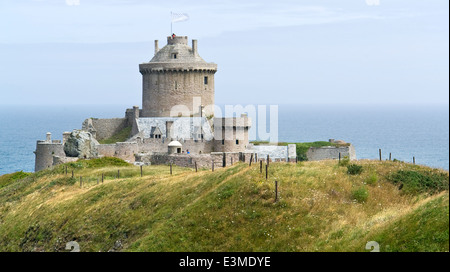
{"type": "Point", "coordinates": [268, 52]}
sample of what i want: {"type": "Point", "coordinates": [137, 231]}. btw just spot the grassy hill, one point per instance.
{"type": "Point", "coordinates": [322, 206]}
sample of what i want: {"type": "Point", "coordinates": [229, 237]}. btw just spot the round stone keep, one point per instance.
{"type": "Point", "coordinates": [173, 77]}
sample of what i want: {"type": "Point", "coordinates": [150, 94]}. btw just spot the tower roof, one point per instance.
{"type": "Point", "coordinates": [177, 50]}
{"type": "Point", "coordinates": [177, 55]}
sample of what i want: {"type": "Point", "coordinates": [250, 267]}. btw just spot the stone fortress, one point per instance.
{"type": "Point", "coordinates": [176, 123]}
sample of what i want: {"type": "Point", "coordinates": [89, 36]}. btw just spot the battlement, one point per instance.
{"type": "Point", "coordinates": [41, 142]}
{"type": "Point", "coordinates": [177, 40]}
{"type": "Point", "coordinates": [48, 140]}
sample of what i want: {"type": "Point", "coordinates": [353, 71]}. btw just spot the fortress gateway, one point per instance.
{"type": "Point", "coordinates": [175, 125]}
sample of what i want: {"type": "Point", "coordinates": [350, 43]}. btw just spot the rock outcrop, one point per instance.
{"type": "Point", "coordinates": [81, 144]}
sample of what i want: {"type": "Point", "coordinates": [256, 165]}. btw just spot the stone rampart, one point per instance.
{"type": "Point", "coordinates": [331, 153]}
{"type": "Point", "coordinates": [106, 128]}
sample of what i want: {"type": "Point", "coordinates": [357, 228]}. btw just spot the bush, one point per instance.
{"type": "Point", "coordinates": [344, 161]}
{"type": "Point", "coordinates": [360, 195]}
{"type": "Point", "coordinates": [420, 181]}
{"type": "Point", "coordinates": [372, 179]}
{"type": "Point", "coordinates": [354, 169]}
{"type": "Point", "coordinates": [100, 162]}
{"type": "Point", "coordinates": [302, 157]}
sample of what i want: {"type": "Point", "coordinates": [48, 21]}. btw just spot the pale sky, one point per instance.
{"type": "Point", "coordinates": [268, 52]}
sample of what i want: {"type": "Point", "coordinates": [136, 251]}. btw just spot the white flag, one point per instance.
{"type": "Point", "coordinates": [179, 17]}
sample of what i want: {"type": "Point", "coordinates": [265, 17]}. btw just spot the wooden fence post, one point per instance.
{"type": "Point", "coordinates": [81, 182]}
{"type": "Point", "coordinates": [260, 166]}
{"type": "Point", "coordinates": [196, 169]}
{"type": "Point", "coordinates": [141, 172]}
{"type": "Point", "coordinates": [66, 170]}
{"type": "Point", "coordinates": [267, 168]}
{"type": "Point", "coordinates": [268, 158]}
{"type": "Point", "coordinates": [390, 155]}
{"type": "Point", "coordinates": [103, 175]}
{"type": "Point", "coordinates": [339, 157]}
{"type": "Point", "coordinates": [212, 163]}
{"type": "Point", "coordinates": [251, 159]}
{"type": "Point", "coordinates": [171, 168]}
{"type": "Point", "coordinates": [276, 191]}
{"type": "Point", "coordinates": [72, 173]}
{"type": "Point", "coordinates": [380, 153]}
{"type": "Point", "coordinates": [414, 160]}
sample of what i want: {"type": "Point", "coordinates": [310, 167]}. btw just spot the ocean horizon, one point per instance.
{"type": "Point", "coordinates": [405, 131]}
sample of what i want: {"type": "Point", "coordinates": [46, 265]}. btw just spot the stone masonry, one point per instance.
{"type": "Point", "coordinates": [175, 125]}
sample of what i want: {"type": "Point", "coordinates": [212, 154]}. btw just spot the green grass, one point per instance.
{"type": "Point", "coordinates": [320, 208]}
{"type": "Point", "coordinates": [96, 163]}
{"type": "Point", "coordinates": [424, 230]}
{"type": "Point", "coordinates": [121, 136]}
{"type": "Point", "coordinates": [10, 178]}
{"type": "Point", "coordinates": [420, 181]}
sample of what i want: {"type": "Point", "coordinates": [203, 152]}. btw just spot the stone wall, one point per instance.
{"type": "Point", "coordinates": [331, 153]}
{"type": "Point", "coordinates": [106, 150]}
{"type": "Point", "coordinates": [60, 160]}
{"type": "Point", "coordinates": [163, 90]}
{"type": "Point", "coordinates": [124, 151]}
{"type": "Point", "coordinates": [106, 128]}
{"type": "Point", "coordinates": [197, 147]}
{"type": "Point", "coordinates": [203, 161]}
{"type": "Point", "coordinates": [274, 152]}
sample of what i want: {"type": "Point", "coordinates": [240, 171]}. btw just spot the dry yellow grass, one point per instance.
{"type": "Point", "coordinates": [231, 209]}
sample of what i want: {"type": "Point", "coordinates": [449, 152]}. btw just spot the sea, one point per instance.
{"type": "Point", "coordinates": [405, 131]}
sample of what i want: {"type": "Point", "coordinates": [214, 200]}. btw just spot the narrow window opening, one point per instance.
{"type": "Point", "coordinates": [223, 142]}
{"type": "Point", "coordinates": [237, 142]}
{"type": "Point", "coordinates": [174, 55]}
{"type": "Point", "coordinates": [205, 80]}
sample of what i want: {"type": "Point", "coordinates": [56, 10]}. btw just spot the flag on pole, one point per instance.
{"type": "Point", "coordinates": [179, 17]}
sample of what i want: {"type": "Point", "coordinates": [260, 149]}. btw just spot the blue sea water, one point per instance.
{"type": "Point", "coordinates": [404, 131]}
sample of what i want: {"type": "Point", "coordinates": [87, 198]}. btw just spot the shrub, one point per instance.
{"type": "Point", "coordinates": [360, 195]}
{"type": "Point", "coordinates": [420, 181]}
{"type": "Point", "coordinates": [354, 169]}
{"type": "Point", "coordinates": [344, 161]}
{"type": "Point", "coordinates": [372, 179]}
{"type": "Point", "coordinates": [302, 157]}
{"type": "Point", "coordinates": [100, 162]}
